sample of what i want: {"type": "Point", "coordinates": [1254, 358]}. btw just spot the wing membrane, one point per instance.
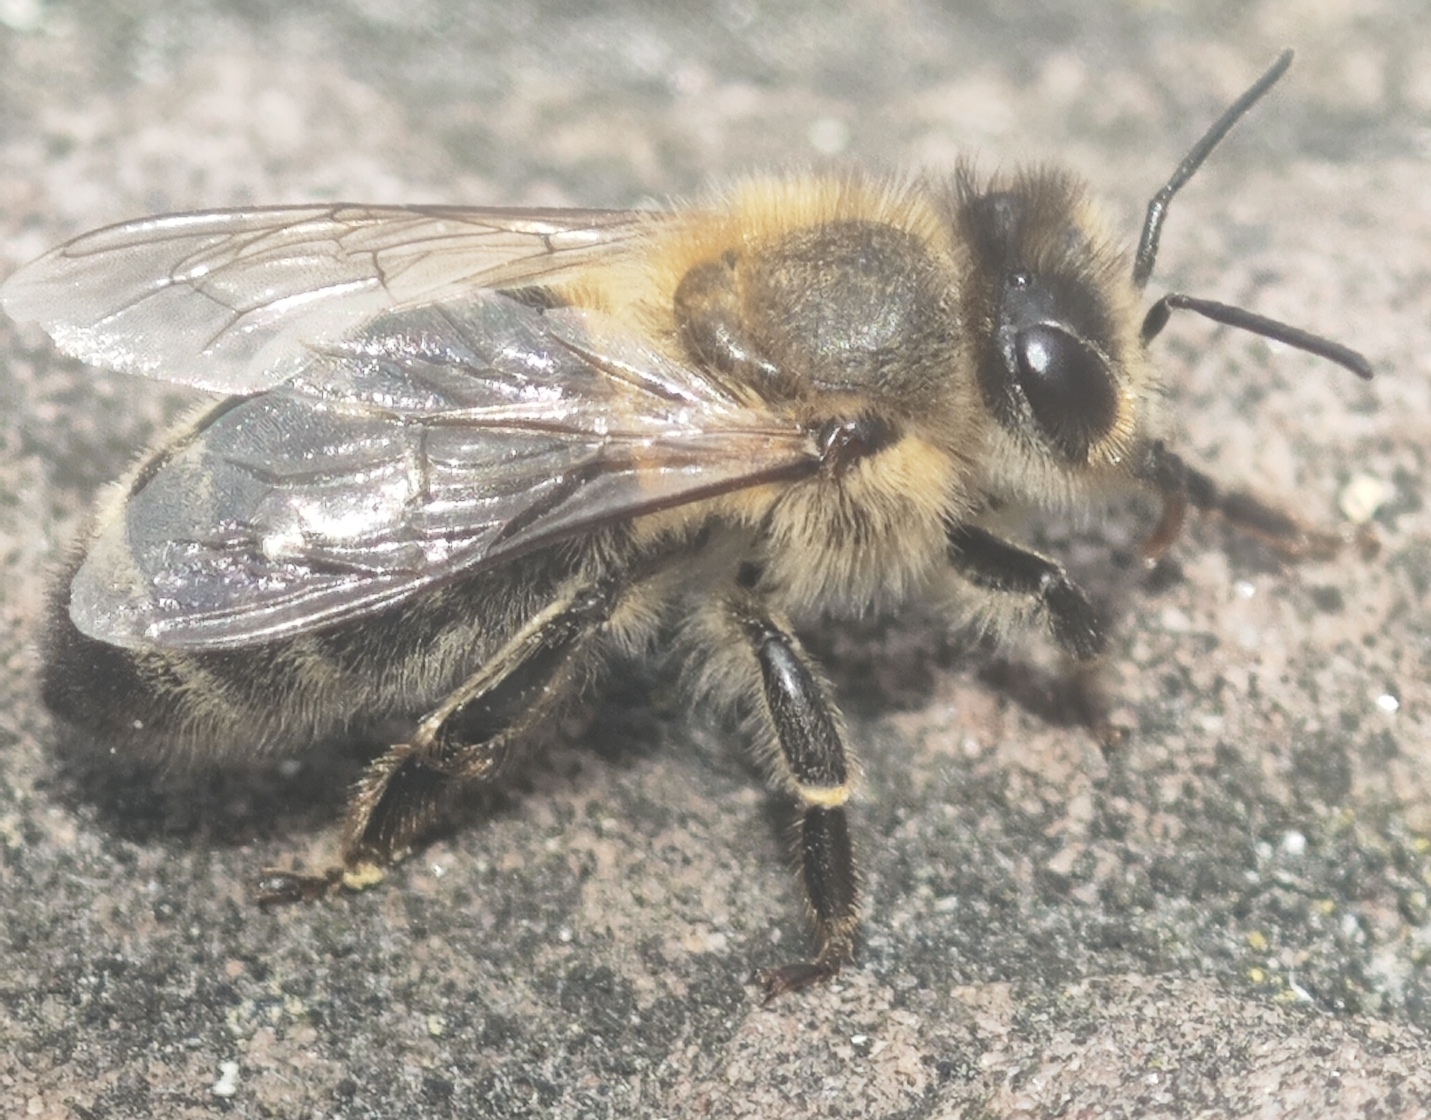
{"type": "Point", "coordinates": [234, 300]}
{"type": "Point", "coordinates": [437, 441]}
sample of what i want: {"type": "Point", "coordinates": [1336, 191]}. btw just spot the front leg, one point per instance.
{"type": "Point", "coordinates": [1000, 569]}
{"type": "Point", "coordinates": [813, 763]}
{"type": "Point", "coordinates": [992, 563]}
{"type": "Point", "coordinates": [1180, 486]}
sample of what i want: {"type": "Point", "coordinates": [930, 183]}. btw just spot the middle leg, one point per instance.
{"type": "Point", "coordinates": [807, 752]}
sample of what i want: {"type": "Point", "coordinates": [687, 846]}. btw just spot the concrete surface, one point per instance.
{"type": "Point", "coordinates": [1227, 915]}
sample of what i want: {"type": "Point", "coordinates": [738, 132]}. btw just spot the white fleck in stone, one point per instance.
{"type": "Point", "coordinates": [1175, 621]}
{"type": "Point", "coordinates": [227, 1084]}
{"type": "Point", "coordinates": [1362, 496]}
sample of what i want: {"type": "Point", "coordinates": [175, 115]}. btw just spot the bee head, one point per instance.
{"type": "Point", "coordinates": [1052, 307]}
{"type": "Point", "coordinates": [1044, 300]}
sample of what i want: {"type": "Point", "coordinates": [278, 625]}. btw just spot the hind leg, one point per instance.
{"type": "Point", "coordinates": [468, 738]}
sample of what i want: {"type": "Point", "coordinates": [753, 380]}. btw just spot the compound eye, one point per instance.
{"type": "Point", "coordinates": [1068, 387]}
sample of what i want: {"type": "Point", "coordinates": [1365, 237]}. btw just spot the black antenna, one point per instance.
{"type": "Point", "coordinates": [1157, 316]}
{"type": "Point", "coordinates": [1240, 317]}
{"type": "Point", "coordinates": [1158, 207]}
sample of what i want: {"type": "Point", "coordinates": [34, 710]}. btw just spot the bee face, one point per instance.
{"type": "Point", "coordinates": [1057, 365]}
{"type": "Point", "coordinates": [470, 454]}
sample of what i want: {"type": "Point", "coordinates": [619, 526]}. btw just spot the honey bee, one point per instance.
{"type": "Point", "coordinates": [466, 457]}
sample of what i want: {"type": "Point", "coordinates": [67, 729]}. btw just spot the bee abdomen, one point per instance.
{"type": "Point", "coordinates": [94, 685]}
{"type": "Point", "coordinates": [157, 704]}
{"type": "Point", "coordinates": [289, 693]}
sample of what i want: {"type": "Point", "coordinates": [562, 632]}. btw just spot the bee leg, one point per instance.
{"type": "Point", "coordinates": [1181, 486]}
{"type": "Point", "coordinates": [467, 738]}
{"type": "Point", "coordinates": [1075, 696]}
{"type": "Point", "coordinates": [990, 562]}
{"type": "Point", "coordinates": [812, 752]}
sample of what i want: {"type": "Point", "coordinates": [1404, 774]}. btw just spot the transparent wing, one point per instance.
{"type": "Point", "coordinates": [438, 440]}
{"type": "Point", "coordinates": [231, 300]}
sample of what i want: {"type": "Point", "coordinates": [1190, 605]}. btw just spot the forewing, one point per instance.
{"type": "Point", "coordinates": [233, 300]}
{"type": "Point", "coordinates": [439, 440]}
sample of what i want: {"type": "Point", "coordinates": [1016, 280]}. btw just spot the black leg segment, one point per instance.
{"type": "Point", "coordinates": [809, 737]}
{"type": "Point", "coordinates": [991, 562]}
{"type": "Point", "coordinates": [812, 751]}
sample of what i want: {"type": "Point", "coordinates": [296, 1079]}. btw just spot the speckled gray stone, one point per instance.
{"type": "Point", "coordinates": [1225, 915]}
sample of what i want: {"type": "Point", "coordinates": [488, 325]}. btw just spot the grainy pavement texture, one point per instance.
{"type": "Point", "coordinates": [1225, 914]}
